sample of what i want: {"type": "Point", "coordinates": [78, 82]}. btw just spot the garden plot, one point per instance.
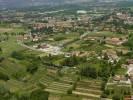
{"type": "Point", "coordinates": [67, 80]}
{"type": "Point", "coordinates": [3, 30]}
{"type": "Point", "coordinates": [90, 89]}
{"type": "Point", "coordinates": [58, 87]}
{"type": "Point", "coordinates": [46, 80]}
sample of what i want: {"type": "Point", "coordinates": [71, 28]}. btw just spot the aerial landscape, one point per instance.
{"type": "Point", "coordinates": [66, 49]}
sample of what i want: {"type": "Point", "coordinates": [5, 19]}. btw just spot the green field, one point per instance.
{"type": "Point", "coordinates": [12, 30]}
{"type": "Point", "coordinates": [104, 33]}
{"type": "Point", "coordinates": [10, 45]}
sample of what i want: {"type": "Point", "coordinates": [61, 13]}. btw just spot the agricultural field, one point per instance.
{"type": "Point", "coordinates": [12, 30]}
{"type": "Point", "coordinates": [60, 82]}
{"type": "Point", "coordinates": [88, 88]}
{"type": "Point", "coordinates": [104, 33]}
{"type": "Point", "coordinates": [3, 30]}
{"type": "Point", "coordinates": [10, 45]}
{"type": "Point", "coordinates": [82, 51]}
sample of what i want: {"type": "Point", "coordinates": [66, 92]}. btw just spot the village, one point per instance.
{"type": "Point", "coordinates": [78, 54]}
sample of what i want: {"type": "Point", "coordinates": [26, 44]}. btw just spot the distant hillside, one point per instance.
{"type": "Point", "coordinates": [27, 3]}
{"type": "Point", "coordinates": [24, 3]}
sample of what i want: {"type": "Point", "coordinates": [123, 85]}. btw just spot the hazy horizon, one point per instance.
{"type": "Point", "coordinates": [26, 3]}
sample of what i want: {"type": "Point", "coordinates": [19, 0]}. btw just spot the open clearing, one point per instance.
{"type": "Point", "coordinates": [3, 30]}
{"type": "Point", "coordinates": [10, 30]}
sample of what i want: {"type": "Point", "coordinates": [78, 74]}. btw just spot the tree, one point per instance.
{"type": "Point", "coordinates": [117, 97]}
{"type": "Point", "coordinates": [0, 50]}
{"type": "Point", "coordinates": [70, 61]}
{"type": "Point", "coordinates": [129, 43]}
{"type": "Point", "coordinates": [103, 95]}
{"type": "Point", "coordinates": [32, 68]}
{"type": "Point", "coordinates": [17, 55]}
{"type": "Point", "coordinates": [69, 91]}
{"type": "Point", "coordinates": [103, 85]}
{"type": "Point", "coordinates": [3, 76]}
{"type": "Point", "coordinates": [88, 72]}
{"type": "Point", "coordinates": [39, 95]}
{"type": "Point", "coordinates": [105, 71]}
{"type": "Point", "coordinates": [1, 59]}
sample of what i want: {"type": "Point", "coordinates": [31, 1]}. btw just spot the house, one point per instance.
{"type": "Point", "coordinates": [67, 55]}
{"type": "Point", "coordinates": [117, 78]}
{"type": "Point", "coordinates": [111, 54]}
{"type": "Point", "coordinates": [77, 53]}
{"type": "Point", "coordinates": [36, 38]}
{"type": "Point", "coordinates": [63, 24]}
{"type": "Point", "coordinates": [39, 25]}
{"type": "Point", "coordinates": [92, 38]}
{"type": "Point", "coordinates": [122, 16]}
{"type": "Point", "coordinates": [115, 41]}
{"type": "Point", "coordinates": [123, 51]}
{"type": "Point", "coordinates": [121, 79]}
{"type": "Point", "coordinates": [26, 37]}
{"type": "Point", "coordinates": [128, 97]}
{"type": "Point", "coordinates": [20, 38]}
{"type": "Point", "coordinates": [44, 46]}
{"type": "Point", "coordinates": [43, 25]}
{"type": "Point", "coordinates": [129, 61]}
{"type": "Point", "coordinates": [81, 12]}
{"type": "Point", "coordinates": [129, 21]}
{"type": "Point", "coordinates": [129, 72]}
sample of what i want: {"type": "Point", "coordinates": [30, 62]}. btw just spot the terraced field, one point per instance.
{"type": "Point", "coordinates": [61, 86]}
{"type": "Point", "coordinates": [46, 80]}
{"type": "Point", "coordinates": [89, 89]}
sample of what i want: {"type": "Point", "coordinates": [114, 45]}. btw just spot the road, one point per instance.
{"type": "Point", "coordinates": [52, 52]}
{"type": "Point", "coordinates": [25, 46]}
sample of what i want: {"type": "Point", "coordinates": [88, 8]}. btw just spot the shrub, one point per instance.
{"type": "Point", "coordinates": [116, 97]}
{"type": "Point", "coordinates": [1, 59]}
{"type": "Point", "coordinates": [88, 72]}
{"type": "Point", "coordinates": [32, 68]}
{"type": "Point", "coordinates": [107, 92]}
{"type": "Point", "coordinates": [4, 76]}
{"type": "Point", "coordinates": [69, 91]}
{"type": "Point", "coordinates": [103, 85]}
{"type": "Point", "coordinates": [17, 55]}
{"type": "Point", "coordinates": [39, 95]}
{"type": "Point", "coordinates": [74, 86]}
{"type": "Point", "coordinates": [41, 85]}
{"type": "Point", "coordinates": [103, 95]}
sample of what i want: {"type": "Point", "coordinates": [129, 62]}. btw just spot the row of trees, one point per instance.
{"type": "Point", "coordinates": [129, 43]}
{"type": "Point", "coordinates": [1, 50]}
{"type": "Point", "coordinates": [1, 58]}
{"type": "Point", "coordinates": [118, 92]}
{"type": "Point", "coordinates": [73, 61]}
{"type": "Point", "coordinates": [88, 71]}
{"type": "Point", "coordinates": [104, 70]}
